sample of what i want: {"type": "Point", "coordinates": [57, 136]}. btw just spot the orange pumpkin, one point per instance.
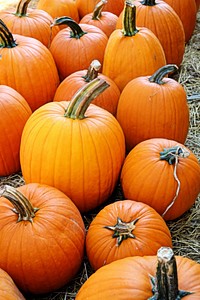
{"type": "Point", "coordinates": [125, 228]}
{"type": "Point", "coordinates": [161, 19]}
{"type": "Point", "coordinates": [163, 174]}
{"type": "Point", "coordinates": [72, 83]}
{"type": "Point", "coordinates": [8, 289]}
{"type": "Point", "coordinates": [85, 42]}
{"type": "Point", "coordinates": [132, 51]}
{"type": "Point", "coordinates": [15, 111]}
{"type": "Point", "coordinates": [141, 278]}
{"type": "Point", "coordinates": [153, 106]}
{"type": "Point", "coordinates": [32, 70]}
{"type": "Point", "coordinates": [75, 146]}
{"type": "Point", "coordinates": [197, 4]}
{"type": "Point", "coordinates": [45, 235]}
{"type": "Point", "coordinates": [186, 10]}
{"type": "Point", "coordinates": [29, 22]}
{"type": "Point", "coordinates": [104, 20]}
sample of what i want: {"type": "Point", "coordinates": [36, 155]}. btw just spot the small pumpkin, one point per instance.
{"type": "Point", "coordinates": [164, 276]}
{"type": "Point", "coordinates": [152, 107]}
{"type": "Point", "coordinates": [125, 228]}
{"type": "Point", "coordinates": [45, 235]}
{"type": "Point", "coordinates": [85, 42]}
{"type": "Point", "coordinates": [132, 51]}
{"type": "Point", "coordinates": [75, 146]}
{"type": "Point", "coordinates": [72, 83]}
{"type": "Point", "coordinates": [15, 111]}
{"type": "Point", "coordinates": [8, 289]}
{"type": "Point", "coordinates": [30, 22]}
{"type": "Point", "coordinates": [163, 174]}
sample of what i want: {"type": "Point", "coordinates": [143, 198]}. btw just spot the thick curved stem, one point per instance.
{"type": "Point", "coordinates": [6, 37]}
{"type": "Point", "coordinates": [158, 76]}
{"type": "Point", "coordinates": [92, 71]}
{"type": "Point", "coordinates": [22, 205]}
{"type": "Point", "coordinates": [76, 30]}
{"type": "Point", "coordinates": [148, 2]}
{"type": "Point", "coordinates": [98, 9]}
{"type": "Point", "coordinates": [22, 8]}
{"type": "Point", "coordinates": [129, 19]}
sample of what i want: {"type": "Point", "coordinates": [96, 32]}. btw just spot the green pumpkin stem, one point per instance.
{"type": "Point", "coordinates": [22, 8]}
{"type": "Point", "coordinates": [82, 99]}
{"type": "Point", "coordinates": [76, 30]}
{"type": "Point", "coordinates": [129, 19]}
{"type": "Point", "coordinates": [158, 76]}
{"type": "Point", "coordinates": [148, 2]}
{"type": "Point", "coordinates": [92, 71]}
{"type": "Point", "coordinates": [98, 9]}
{"type": "Point", "coordinates": [6, 37]}
{"type": "Point", "coordinates": [122, 230]}
{"type": "Point", "coordinates": [22, 206]}
{"type": "Point", "coordinates": [165, 284]}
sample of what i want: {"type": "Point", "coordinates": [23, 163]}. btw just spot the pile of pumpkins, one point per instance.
{"type": "Point", "coordinates": [87, 101]}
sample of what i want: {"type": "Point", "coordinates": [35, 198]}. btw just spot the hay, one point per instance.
{"type": "Point", "coordinates": [185, 231]}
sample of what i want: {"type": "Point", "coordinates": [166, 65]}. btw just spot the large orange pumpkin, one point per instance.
{"type": "Point", "coordinates": [162, 20]}
{"type": "Point", "coordinates": [74, 47]}
{"type": "Point", "coordinates": [29, 22]}
{"type": "Point", "coordinates": [15, 111]}
{"type": "Point", "coordinates": [75, 146]}
{"type": "Point", "coordinates": [8, 289]}
{"type": "Point", "coordinates": [132, 51]}
{"type": "Point", "coordinates": [163, 277]}
{"type": "Point", "coordinates": [153, 106]}
{"type": "Point", "coordinates": [72, 83]}
{"type": "Point", "coordinates": [125, 228]}
{"type": "Point", "coordinates": [32, 70]}
{"type": "Point", "coordinates": [163, 174]}
{"type": "Point", "coordinates": [41, 233]}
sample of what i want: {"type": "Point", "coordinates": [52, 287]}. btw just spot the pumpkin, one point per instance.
{"type": "Point", "coordinates": [8, 289]}
{"type": "Point", "coordinates": [44, 233]}
{"type": "Point", "coordinates": [132, 51]}
{"type": "Point", "coordinates": [163, 174]}
{"type": "Point", "coordinates": [32, 70]}
{"type": "Point", "coordinates": [15, 111]}
{"type": "Point", "coordinates": [85, 42]}
{"type": "Point", "coordinates": [186, 10]}
{"type": "Point", "coordinates": [105, 20]}
{"type": "Point", "coordinates": [113, 6]}
{"type": "Point", "coordinates": [197, 4]}
{"type": "Point", "coordinates": [75, 146]}
{"type": "Point", "coordinates": [161, 19]}
{"type": "Point", "coordinates": [153, 106]}
{"type": "Point", "coordinates": [60, 8]}
{"type": "Point", "coordinates": [125, 228]}
{"type": "Point", "coordinates": [29, 22]}
{"type": "Point", "coordinates": [72, 83]}
{"type": "Point", "coordinates": [164, 276]}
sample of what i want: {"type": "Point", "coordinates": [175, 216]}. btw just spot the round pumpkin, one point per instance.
{"type": "Point", "coordinates": [164, 276]}
{"type": "Point", "coordinates": [153, 106]}
{"type": "Point", "coordinates": [45, 234]}
{"type": "Point", "coordinates": [30, 22]}
{"type": "Point", "coordinates": [72, 83]}
{"type": "Point", "coordinates": [163, 174]}
{"type": "Point", "coordinates": [125, 228]}
{"type": "Point", "coordinates": [15, 111]}
{"type": "Point", "coordinates": [85, 42]}
{"type": "Point", "coordinates": [75, 146]}
{"type": "Point", "coordinates": [8, 289]}
{"type": "Point", "coordinates": [32, 70]}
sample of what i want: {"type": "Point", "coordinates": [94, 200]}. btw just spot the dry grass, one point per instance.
{"type": "Point", "coordinates": [185, 230]}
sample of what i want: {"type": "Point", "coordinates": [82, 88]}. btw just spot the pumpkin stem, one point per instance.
{"type": "Point", "coordinates": [129, 19]}
{"type": "Point", "coordinates": [92, 71]}
{"type": "Point", "coordinates": [158, 76]}
{"type": "Point", "coordinates": [122, 230]}
{"type": "Point", "coordinates": [82, 99]}
{"type": "Point", "coordinates": [148, 2]}
{"type": "Point", "coordinates": [165, 284]}
{"type": "Point", "coordinates": [76, 30]}
{"type": "Point", "coordinates": [98, 9]}
{"type": "Point", "coordinates": [6, 37]}
{"type": "Point", "coordinates": [22, 205]}
{"type": "Point", "coordinates": [22, 8]}
{"type": "Point", "coordinates": [171, 155]}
